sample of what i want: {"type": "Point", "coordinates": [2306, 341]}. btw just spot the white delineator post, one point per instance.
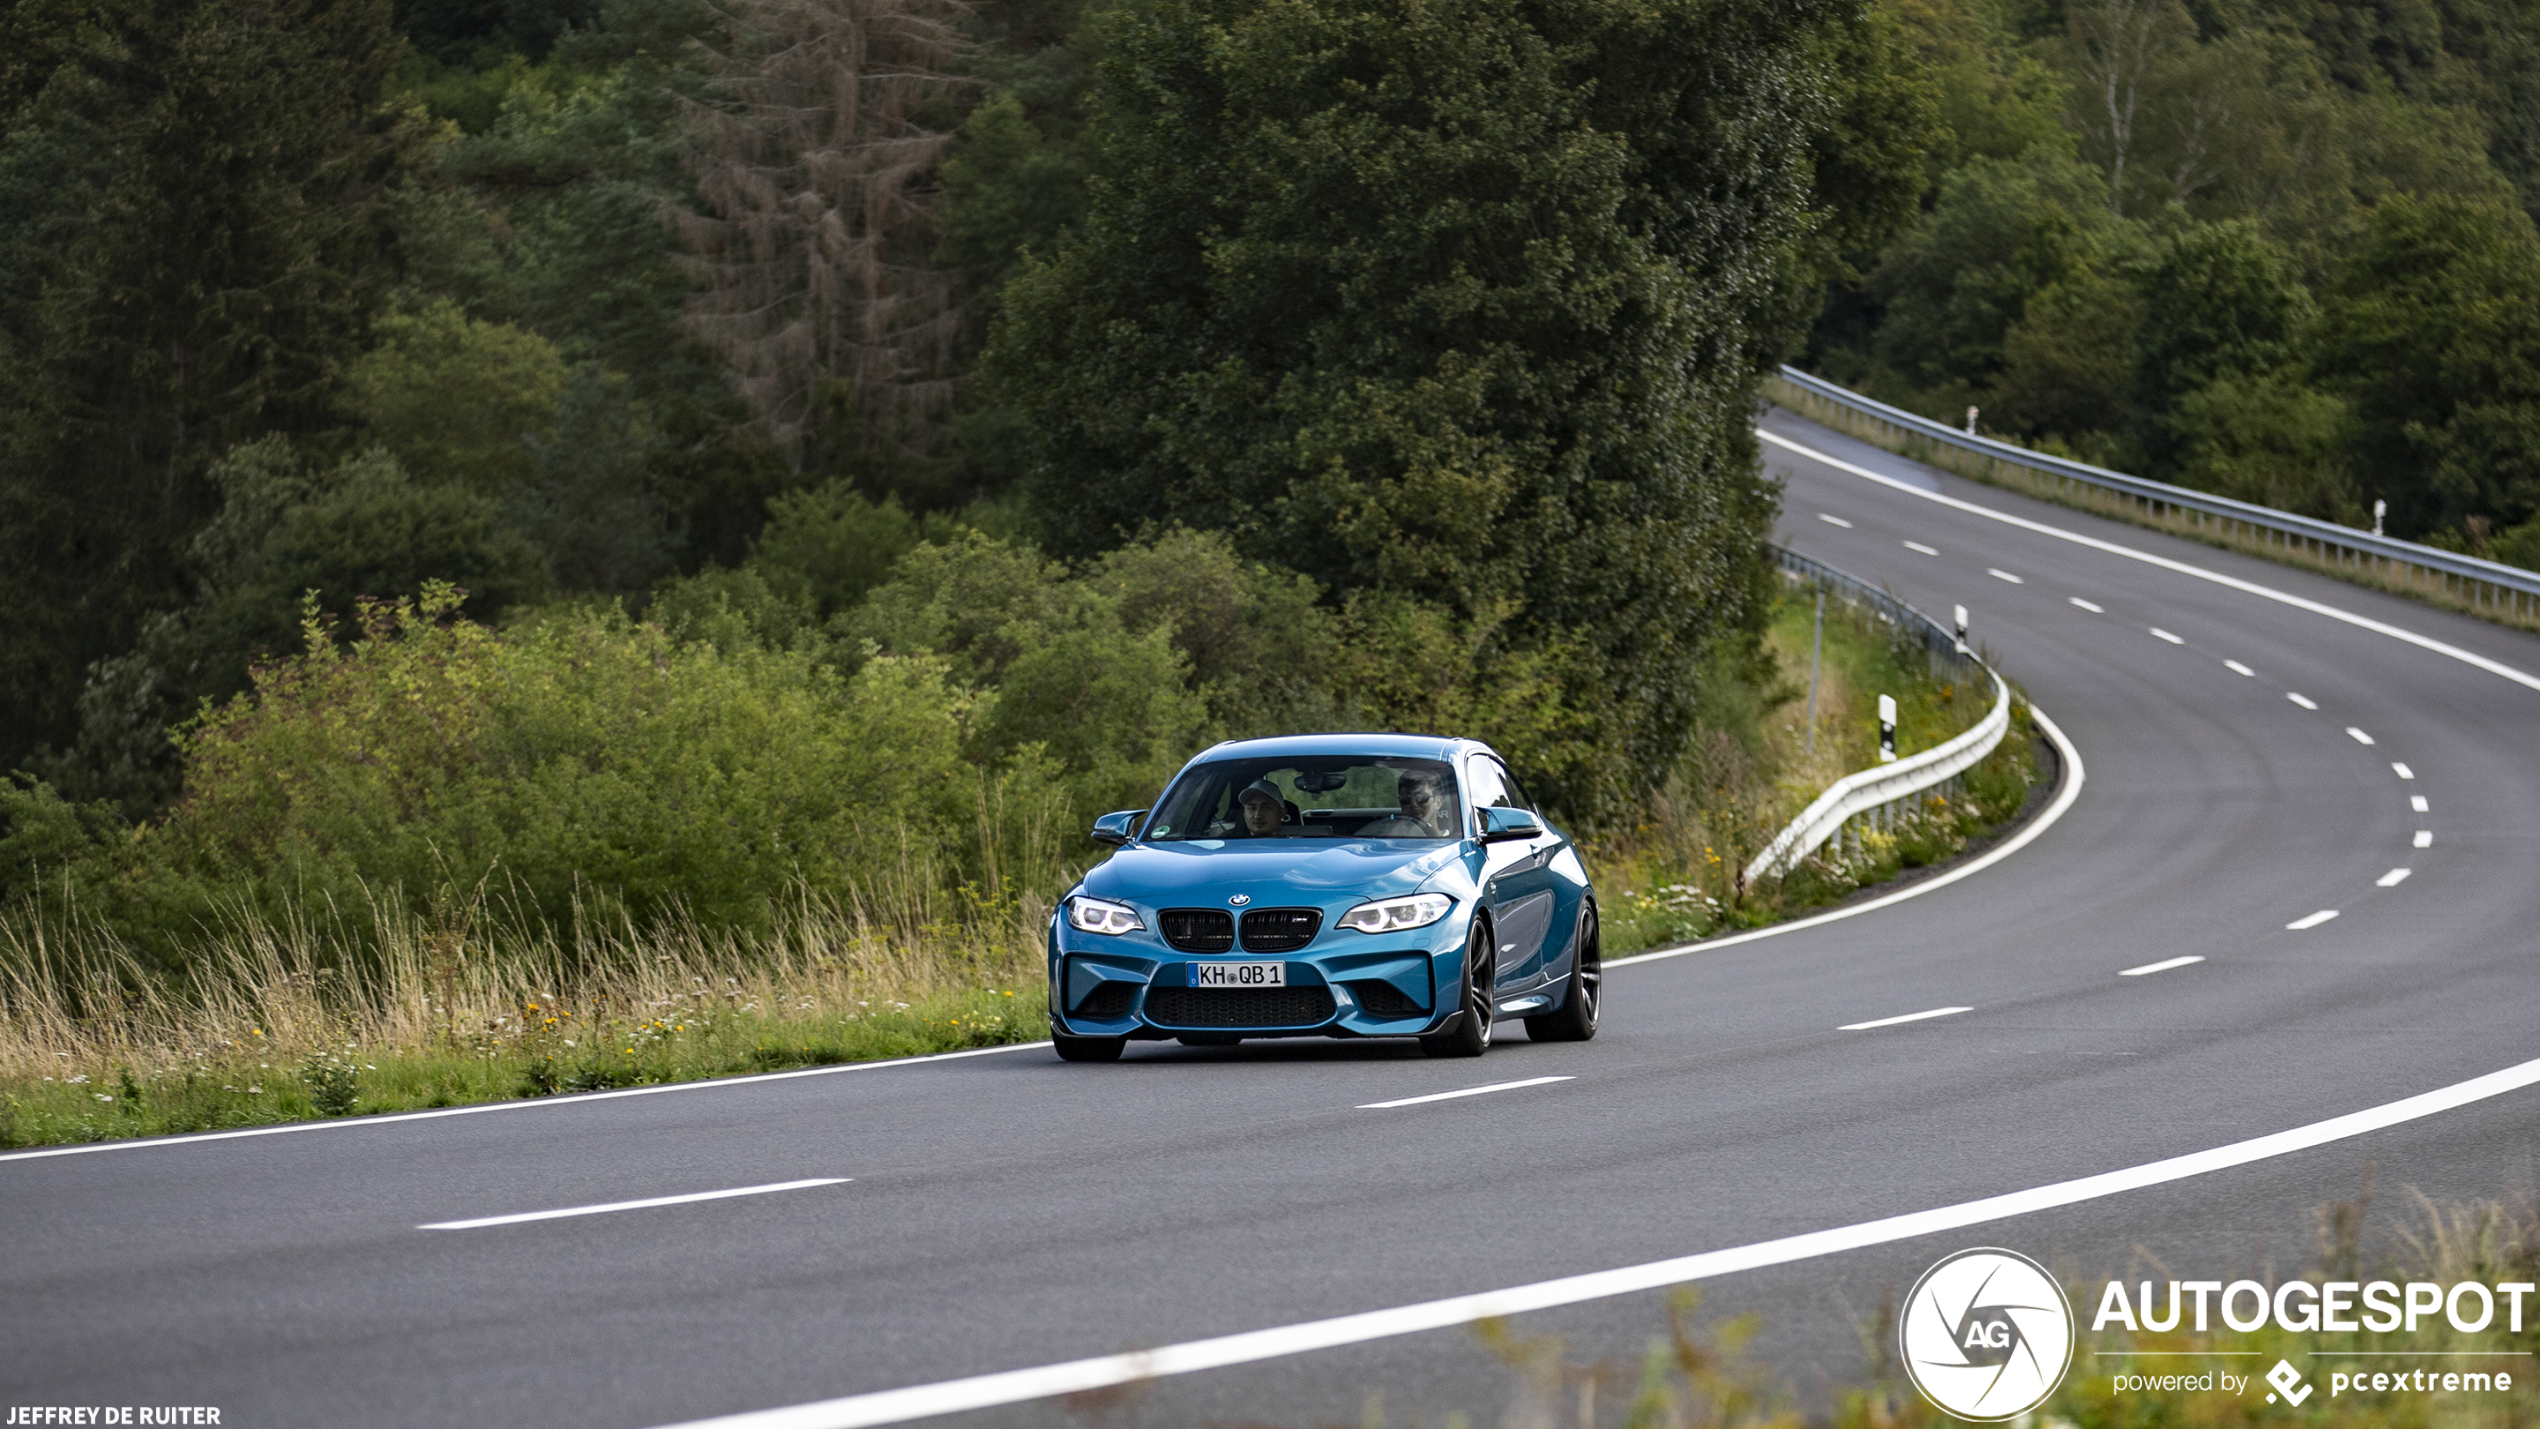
{"type": "Point", "coordinates": [1962, 629]}
{"type": "Point", "coordinates": [1887, 729]}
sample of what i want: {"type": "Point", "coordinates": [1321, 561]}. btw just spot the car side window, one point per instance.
{"type": "Point", "coordinates": [1490, 786]}
{"type": "Point", "coordinates": [1516, 791]}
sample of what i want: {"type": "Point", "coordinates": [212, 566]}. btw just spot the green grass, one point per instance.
{"type": "Point", "coordinates": [539, 1053]}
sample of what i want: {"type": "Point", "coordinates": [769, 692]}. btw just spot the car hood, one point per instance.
{"type": "Point", "coordinates": [1287, 872]}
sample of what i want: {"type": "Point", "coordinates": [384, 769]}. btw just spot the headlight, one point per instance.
{"type": "Point", "coordinates": [1096, 916]}
{"type": "Point", "coordinates": [1391, 915]}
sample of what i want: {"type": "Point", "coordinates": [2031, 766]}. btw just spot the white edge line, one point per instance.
{"type": "Point", "coordinates": [2163, 966]}
{"type": "Point", "coordinates": [2313, 921]}
{"type": "Point", "coordinates": [2045, 819]}
{"type": "Point", "coordinates": [919, 1401]}
{"type": "Point", "coordinates": [1466, 1092]}
{"type": "Point", "coordinates": [2493, 667]}
{"type": "Point", "coordinates": [1908, 1017]}
{"type": "Point", "coordinates": [527, 1216]}
{"type": "Point", "coordinates": [524, 1104]}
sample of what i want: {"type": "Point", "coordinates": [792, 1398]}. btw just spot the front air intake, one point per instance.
{"type": "Point", "coordinates": [1239, 1006]}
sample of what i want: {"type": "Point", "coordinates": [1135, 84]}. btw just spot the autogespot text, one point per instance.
{"type": "Point", "coordinates": [2372, 1306]}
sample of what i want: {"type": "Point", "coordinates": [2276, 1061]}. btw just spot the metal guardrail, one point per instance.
{"type": "Point", "coordinates": [2491, 589]}
{"type": "Point", "coordinates": [1878, 791]}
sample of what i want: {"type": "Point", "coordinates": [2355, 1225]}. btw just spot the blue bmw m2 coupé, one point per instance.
{"type": "Point", "coordinates": [1328, 886]}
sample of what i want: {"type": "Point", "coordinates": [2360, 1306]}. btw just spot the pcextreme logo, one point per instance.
{"type": "Point", "coordinates": [1986, 1334]}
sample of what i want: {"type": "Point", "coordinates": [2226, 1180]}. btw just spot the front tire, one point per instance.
{"type": "Point", "coordinates": [1471, 1035]}
{"type": "Point", "coordinates": [1088, 1049]}
{"type": "Point", "coordinates": [1584, 995]}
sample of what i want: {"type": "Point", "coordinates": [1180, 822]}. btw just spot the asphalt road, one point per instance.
{"type": "Point", "coordinates": [1007, 1210]}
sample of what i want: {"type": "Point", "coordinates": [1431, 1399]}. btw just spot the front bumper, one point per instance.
{"type": "Point", "coordinates": [1144, 992]}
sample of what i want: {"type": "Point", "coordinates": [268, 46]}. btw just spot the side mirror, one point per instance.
{"type": "Point", "coordinates": [1501, 824]}
{"type": "Point", "coordinates": [1117, 829]}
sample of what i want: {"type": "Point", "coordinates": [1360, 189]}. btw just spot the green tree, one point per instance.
{"type": "Point", "coordinates": [457, 399]}
{"type": "Point", "coordinates": [1464, 302]}
{"type": "Point", "coordinates": [2219, 300]}
{"type": "Point", "coordinates": [2429, 330]}
{"type": "Point", "coordinates": [192, 242]}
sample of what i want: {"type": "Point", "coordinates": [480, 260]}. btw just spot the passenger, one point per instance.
{"type": "Point", "coordinates": [1428, 809]}
{"type": "Point", "coordinates": [1263, 809]}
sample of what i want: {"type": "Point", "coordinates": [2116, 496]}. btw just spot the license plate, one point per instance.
{"type": "Point", "coordinates": [1239, 974]}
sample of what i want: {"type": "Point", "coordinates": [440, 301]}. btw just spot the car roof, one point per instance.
{"type": "Point", "coordinates": [1407, 746]}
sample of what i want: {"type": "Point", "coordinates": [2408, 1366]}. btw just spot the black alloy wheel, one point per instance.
{"type": "Point", "coordinates": [1088, 1049]}
{"type": "Point", "coordinates": [1582, 997]}
{"type": "Point", "coordinates": [1471, 1036]}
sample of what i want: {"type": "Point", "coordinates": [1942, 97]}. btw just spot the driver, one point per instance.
{"type": "Point", "coordinates": [1263, 808]}
{"type": "Point", "coordinates": [1426, 809]}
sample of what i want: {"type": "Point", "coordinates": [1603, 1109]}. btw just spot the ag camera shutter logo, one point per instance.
{"type": "Point", "coordinates": [1987, 1334]}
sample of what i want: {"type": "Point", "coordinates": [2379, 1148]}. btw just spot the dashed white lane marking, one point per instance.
{"type": "Point", "coordinates": [526, 1216]}
{"type": "Point", "coordinates": [1919, 546]}
{"type": "Point", "coordinates": [2000, 574]}
{"type": "Point", "coordinates": [2088, 606]}
{"type": "Point", "coordinates": [2313, 921]}
{"type": "Point", "coordinates": [2159, 634]}
{"type": "Point", "coordinates": [1908, 1017]}
{"type": "Point", "coordinates": [2417, 802]}
{"type": "Point", "coordinates": [2237, 668]}
{"type": "Point", "coordinates": [2392, 879]}
{"type": "Point", "coordinates": [2303, 700]}
{"type": "Point", "coordinates": [2359, 736]}
{"type": "Point", "coordinates": [2466, 657]}
{"type": "Point", "coordinates": [1466, 1092]}
{"type": "Point", "coordinates": [2425, 838]}
{"type": "Point", "coordinates": [2402, 770]}
{"type": "Point", "coordinates": [1020, 1386]}
{"type": "Point", "coordinates": [2160, 967]}
{"type": "Point", "coordinates": [1834, 521]}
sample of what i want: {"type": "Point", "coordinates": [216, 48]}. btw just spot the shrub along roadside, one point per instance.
{"type": "Point", "coordinates": [1753, 768]}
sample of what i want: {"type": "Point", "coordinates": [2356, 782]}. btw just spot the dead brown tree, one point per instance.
{"type": "Point", "coordinates": [811, 155]}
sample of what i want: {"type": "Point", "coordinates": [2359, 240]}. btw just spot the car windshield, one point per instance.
{"type": "Point", "coordinates": [1317, 797]}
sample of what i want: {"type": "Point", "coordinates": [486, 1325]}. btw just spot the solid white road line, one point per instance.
{"type": "Point", "coordinates": [2160, 967]}
{"type": "Point", "coordinates": [1020, 1386]}
{"type": "Point", "coordinates": [2237, 668]}
{"type": "Point", "coordinates": [582, 1099]}
{"type": "Point", "coordinates": [2303, 700]}
{"type": "Point", "coordinates": [2392, 879]}
{"type": "Point", "coordinates": [1466, 1092]}
{"type": "Point", "coordinates": [2000, 574]}
{"type": "Point", "coordinates": [2425, 838]}
{"type": "Point", "coordinates": [2467, 657]}
{"type": "Point", "coordinates": [2159, 634]}
{"type": "Point", "coordinates": [1834, 521]}
{"type": "Point", "coordinates": [2402, 770]}
{"type": "Point", "coordinates": [2045, 820]}
{"type": "Point", "coordinates": [2359, 736]}
{"type": "Point", "coordinates": [2086, 605]}
{"type": "Point", "coordinates": [2417, 802]}
{"type": "Point", "coordinates": [1919, 546]}
{"type": "Point", "coordinates": [1908, 1017]}
{"type": "Point", "coordinates": [2312, 921]}
{"type": "Point", "coordinates": [526, 1216]}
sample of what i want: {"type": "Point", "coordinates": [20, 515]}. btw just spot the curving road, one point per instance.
{"type": "Point", "coordinates": [1002, 1211]}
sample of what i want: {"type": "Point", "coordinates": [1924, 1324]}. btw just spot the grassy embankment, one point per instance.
{"type": "Point", "coordinates": [276, 1028]}
{"type": "Point", "coordinates": [1695, 1376]}
{"type": "Point", "coordinates": [1753, 769]}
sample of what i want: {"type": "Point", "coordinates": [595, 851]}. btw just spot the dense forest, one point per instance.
{"type": "Point", "coordinates": [2277, 249]}
{"type": "Point", "coordinates": [575, 436]}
